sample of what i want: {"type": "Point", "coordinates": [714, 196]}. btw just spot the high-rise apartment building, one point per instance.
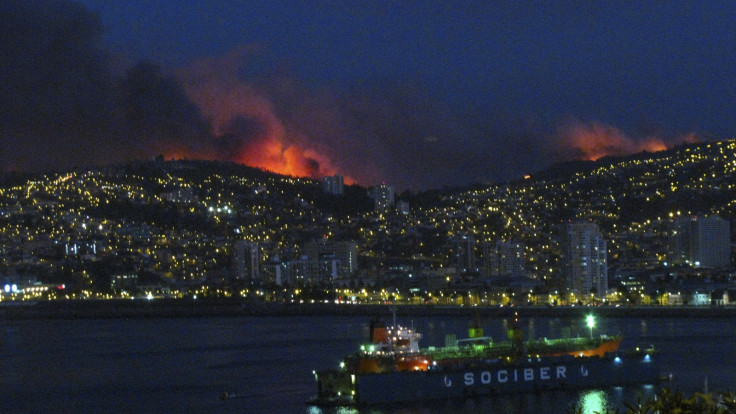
{"type": "Point", "coordinates": [701, 242]}
{"type": "Point", "coordinates": [463, 250]}
{"type": "Point", "coordinates": [383, 197]}
{"type": "Point", "coordinates": [341, 257]}
{"type": "Point", "coordinates": [246, 260]}
{"type": "Point", "coordinates": [334, 184]}
{"type": "Point", "coordinates": [585, 259]}
{"type": "Point", "coordinates": [504, 258]}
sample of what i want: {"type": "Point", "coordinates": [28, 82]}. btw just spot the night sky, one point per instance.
{"type": "Point", "coordinates": [419, 95]}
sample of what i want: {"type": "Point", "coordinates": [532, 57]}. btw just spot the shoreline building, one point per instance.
{"type": "Point", "coordinates": [504, 258]}
{"type": "Point", "coordinates": [341, 255]}
{"type": "Point", "coordinates": [586, 262]}
{"type": "Point", "coordinates": [463, 251]}
{"type": "Point", "coordinates": [701, 242]}
{"type": "Point", "coordinates": [246, 260]}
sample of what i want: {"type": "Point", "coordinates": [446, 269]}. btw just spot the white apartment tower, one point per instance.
{"type": "Point", "coordinates": [585, 259]}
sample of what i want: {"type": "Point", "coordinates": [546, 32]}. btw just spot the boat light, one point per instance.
{"type": "Point", "coordinates": [342, 364]}
{"type": "Point", "coordinates": [591, 324]}
{"type": "Point", "coordinates": [646, 358]}
{"type": "Point", "coordinates": [617, 360]}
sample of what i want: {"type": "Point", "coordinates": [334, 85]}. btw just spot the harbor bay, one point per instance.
{"type": "Point", "coordinates": [265, 363]}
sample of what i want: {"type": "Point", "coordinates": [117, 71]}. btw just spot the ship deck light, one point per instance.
{"type": "Point", "coordinates": [590, 320]}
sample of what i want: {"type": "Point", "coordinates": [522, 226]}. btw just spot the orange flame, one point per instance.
{"type": "Point", "coordinates": [595, 140]}
{"type": "Point", "coordinates": [273, 144]}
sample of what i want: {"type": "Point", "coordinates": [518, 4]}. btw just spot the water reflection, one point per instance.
{"type": "Point", "coordinates": [335, 410]}
{"type": "Point", "coordinates": [592, 401]}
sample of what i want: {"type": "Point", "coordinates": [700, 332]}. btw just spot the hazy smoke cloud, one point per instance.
{"type": "Point", "coordinates": [388, 131]}
{"type": "Point", "coordinates": [593, 140]}
{"type": "Point", "coordinates": [158, 115]}
{"type": "Point", "coordinates": [247, 126]}
{"type": "Point", "coordinates": [60, 104]}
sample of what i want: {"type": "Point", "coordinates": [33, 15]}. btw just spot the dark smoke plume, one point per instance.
{"type": "Point", "coordinates": [61, 105]}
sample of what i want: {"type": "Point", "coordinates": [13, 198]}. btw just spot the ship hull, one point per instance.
{"type": "Point", "coordinates": [481, 378]}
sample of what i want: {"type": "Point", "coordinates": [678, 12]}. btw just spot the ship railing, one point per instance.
{"type": "Point", "coordinates": [564, 343]}
{"type": "Point", "coordinates": [481, 340]}
{"type": "Point", "coordinates": [487, 351]}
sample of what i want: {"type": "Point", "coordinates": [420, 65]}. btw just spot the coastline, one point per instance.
{"type": "Point", "coordinates": [189, 308]}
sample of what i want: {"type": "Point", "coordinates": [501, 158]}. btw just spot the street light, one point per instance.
{"type": "Point", "coordinates": [591, 323]}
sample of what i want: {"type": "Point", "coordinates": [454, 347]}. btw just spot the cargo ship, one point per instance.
{"type": "Point", "coordinates": [392, 368]}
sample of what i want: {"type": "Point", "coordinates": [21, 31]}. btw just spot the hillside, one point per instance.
{"type": "Point", "coordinates": [178, 220]}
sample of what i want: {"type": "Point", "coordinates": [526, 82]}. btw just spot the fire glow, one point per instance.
{"type": "Point", "coordinates": [270, 153]}
{"type": "Point", "coordinates": [594, 140]}
{"type": "Point", "coordinates": [247, 127]}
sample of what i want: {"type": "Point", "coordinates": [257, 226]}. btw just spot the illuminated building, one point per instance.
{"type": "Point", "coordinates": [403, 208]}
{"type": "Point", "coordinates": [383, 197]}
{"type": "Point", "coordinates": [504, 258]}
{"type": "Point", "coordinates": [463, 248]}
{"type": "Point", "coordinates": [585, 259]}
{"type": "Point", "coordinates": [124, 282]}
{"type": "Point", "coordinates": [701, 242]}
{"type": "Point", "coordinates": [302, 272]}
{"type": "Point", "coordinates": [334, 184]}
{"type": "Point", "coordinates": [246, 259]}
{"type": "Point", "coordinates": [345, 253]}
{"type": "Point", "coordinates": [180, 195]}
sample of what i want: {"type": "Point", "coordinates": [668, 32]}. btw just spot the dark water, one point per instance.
{"type": "Point", "coordinates": [183, 365]}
